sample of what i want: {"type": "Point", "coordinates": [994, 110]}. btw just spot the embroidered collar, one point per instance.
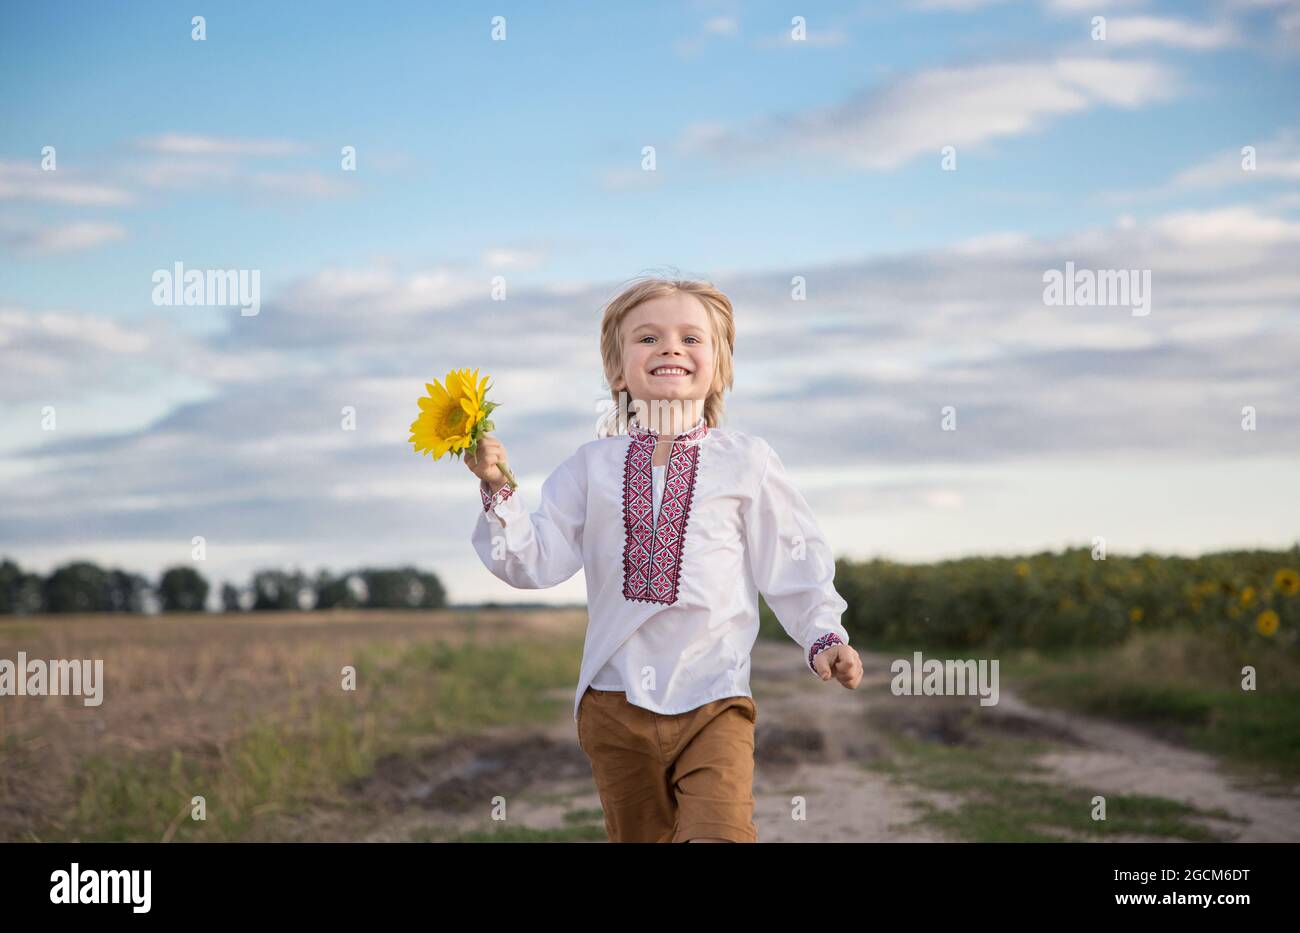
{"type": "Point", "coordinates": [693, 433]}
{"type": "Point", "coordinates": [653, 548]}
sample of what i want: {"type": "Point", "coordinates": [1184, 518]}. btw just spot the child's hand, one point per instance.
{"type": "Point", "coordinates": [490, 452]}
{"type": "Point", "coordinates": [839, 661]}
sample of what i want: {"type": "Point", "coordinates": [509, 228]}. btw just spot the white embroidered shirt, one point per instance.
{"type": "Point", "coordinates": [610, 676]}
{"type": "Point", "coordinates": [671, 587]}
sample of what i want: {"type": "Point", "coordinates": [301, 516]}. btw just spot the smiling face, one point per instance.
{"type": "Point", "coordinates": [668, 354]}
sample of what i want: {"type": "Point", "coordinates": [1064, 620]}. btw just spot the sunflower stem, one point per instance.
{"type": "Point", "coordinates": [510, 477]}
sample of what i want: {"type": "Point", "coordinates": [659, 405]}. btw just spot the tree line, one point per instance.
{"type": "Point", "coordinates": [83, 586]}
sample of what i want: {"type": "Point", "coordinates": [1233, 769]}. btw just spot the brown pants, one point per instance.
{"type": "Point", "coordinates": [671, 778]}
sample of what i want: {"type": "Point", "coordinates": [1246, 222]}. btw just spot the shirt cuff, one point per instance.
{"type": "Point", "coordinates": [490, 502]}
{"type": "Point", "coordinates": [820, 645]}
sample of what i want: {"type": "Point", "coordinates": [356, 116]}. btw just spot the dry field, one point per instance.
{"type": "Point", "coordinates": [455, 712]}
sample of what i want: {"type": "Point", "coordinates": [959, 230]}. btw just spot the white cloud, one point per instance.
{"type": "Point", "coordinates": [183, 162]}
{"type": "Point", "coordinates": [1178, 33]}
{"type": "Point", "coordinates": [944, 498]}
{"type": "Point", "coordinates": [66, 238]}
{"type": "Point", "coordinates": [918, 114]}
{"type": "Point", "coordinates": [1090, 6]}
{"type": "Point", "coordinates": [1235, 225]}
{"type": "Point", "coordinates": [711, 30]}
{"type": "Point", "coordinates": [96, 334]}
{"type": "Point", "coordinates": [1005, 243]}
{"type": "Point", "coordinates": [301, 184]}
{"type": "Point", "coordinates": [1285, 25]}
{"type": "Point", "coordinates": [22, 182]}
{"type": "Point", "coordinates": [55, 354]}
{"type": "Point", "coordinates": [722, 26]}
{"type": "Point", "coordinates": [190, 145]}
{"type": "Point", "coordinates": [382, 291]}
{"type": "Point", "coordinates": [1278, 158]}
{"type": "Point", "coordinates": [182, 173]}
{"type": "Point", "coordinates": [885, 343]}
{"type": "Point", "coordinates": [959, 5]}
{"type": "Point", "coordinates": [502, 258]}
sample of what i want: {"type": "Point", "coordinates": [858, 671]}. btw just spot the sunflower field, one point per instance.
{"type": "Point", "coordinates": [1060, 600]}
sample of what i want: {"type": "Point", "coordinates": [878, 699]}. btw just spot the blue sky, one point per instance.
{"type": "Point", "coordinates": [523, 158]}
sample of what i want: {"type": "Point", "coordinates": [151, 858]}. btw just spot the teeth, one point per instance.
{"type": "Point", "coordinates": [669, 370]}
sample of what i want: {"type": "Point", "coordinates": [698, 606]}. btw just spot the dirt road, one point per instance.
{"type": "Point", "coordinates": [837, 749]}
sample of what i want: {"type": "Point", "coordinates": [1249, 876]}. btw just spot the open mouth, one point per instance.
{"type": "Point", "coordinates": [670, 371]}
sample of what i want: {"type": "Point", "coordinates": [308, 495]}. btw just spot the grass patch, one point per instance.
{"type": "Point", "coordinates": [1183, 687]}
{"type": "Point", "coordinates": [14, 629]}
{"type": "Point", "coordinates": [442, 689]}
{"type": "Point", "coordinates": [1000, 801]}
{"type": "Point", "coordinates": [260, 783]}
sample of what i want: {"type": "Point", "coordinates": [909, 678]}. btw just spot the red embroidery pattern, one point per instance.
{"type": "Point", "coordinates": [652, 552]}
{"type": "Point", "coordinates": [492, 501]}
{"type": "Point", "coordinates": [820, 645]}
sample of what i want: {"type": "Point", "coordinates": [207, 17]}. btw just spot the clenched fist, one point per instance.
{"type": "Point", "coordinates": [840, 662]}
{"type": "Point", "coordinates": [490, 452]}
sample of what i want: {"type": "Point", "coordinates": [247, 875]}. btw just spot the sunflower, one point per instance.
{"type": "Point", "coordinates": [1248, 596]}
{"type": "Point", "coordinates": [1288, 581]}
{"type": "Point", "coordinates": [448, 416]}
{"type": "Point", "coordinates": [1205, 588]}
{"type": "Point", "coordinates": [1135, 614]}
{"type": "Point", "coordinates": [454, 419]}
{"type": "Point", "coordinates": [1266, 622]}
{"type": "Point", "coordinates": [1022, 569]}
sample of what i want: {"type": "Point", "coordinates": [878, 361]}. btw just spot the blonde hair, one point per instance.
{"type": "Point", "coordinates": [721, 318]}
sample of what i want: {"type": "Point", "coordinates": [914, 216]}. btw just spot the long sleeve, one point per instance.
{"type": "Point", "coordinates": [791, 562]}
{"type": "Point", "coordinates": [533, 551]}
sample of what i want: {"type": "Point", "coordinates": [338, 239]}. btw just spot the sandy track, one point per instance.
{"type": "Point", "coordinates": [813, 740]}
